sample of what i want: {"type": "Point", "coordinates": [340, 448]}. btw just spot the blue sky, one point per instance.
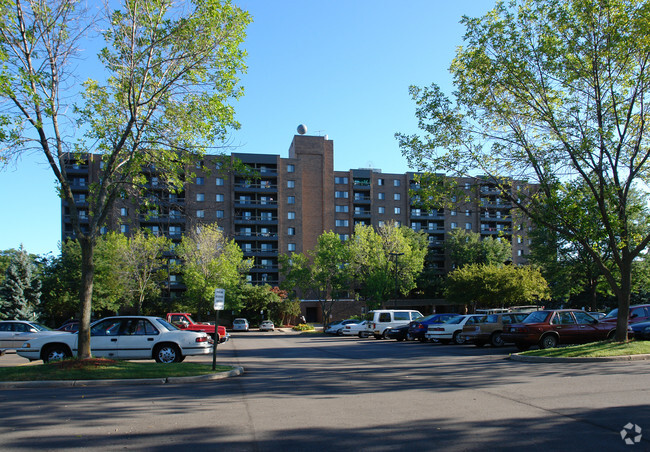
{"type": "Point", "coordinates": [341, 67]}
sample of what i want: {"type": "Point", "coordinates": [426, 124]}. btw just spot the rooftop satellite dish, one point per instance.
{"type": "Point", "coordinates": [302, 129]}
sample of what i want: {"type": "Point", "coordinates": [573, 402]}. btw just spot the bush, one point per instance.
{"type": "Point", "coordinates": [303, 327]}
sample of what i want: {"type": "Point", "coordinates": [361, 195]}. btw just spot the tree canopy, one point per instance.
{"type": "Point", "coordinates": [171, 71]}
{"type": "Point", "coordinates": [553, 93]}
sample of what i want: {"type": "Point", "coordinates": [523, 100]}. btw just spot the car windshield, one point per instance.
{"type": "Point", "coordinates": [612, 314]}
{"type": "Point", "coordinates": [238, 321]}
{"type": "Point", "coordinates": [536, 317]}
{"type": "Point", "coordinates": [455, 320]}
{"type": "Point", "coordinates": [40, 327]}
{"type": "Point", "coordinates": [424, 319]}
{"type": "Point", "coordinates": [166, 324]}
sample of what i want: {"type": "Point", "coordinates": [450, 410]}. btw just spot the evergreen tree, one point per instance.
{"type": "Point", "coordinates": [21, 289]}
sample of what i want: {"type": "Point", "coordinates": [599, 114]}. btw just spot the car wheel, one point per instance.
{"type": "Point", "coordinates": [339, 332]}
{"type": "Point", "coordinates": [409, 337]}
{"type": "Point", "coordinates": [167, 353]}
{"type": "Point", "coordinates": [55, 353]}
{"type": "Point", "coordinates": [548, 341]}
{"type": "Point", "coordinates": [458, 338]}
{"type": "Point", "coordinates": [496, 339]}
{"type": "Point", "coordinates": [385, 335]}
{"type": "Point", "coordinates": [611, 335]}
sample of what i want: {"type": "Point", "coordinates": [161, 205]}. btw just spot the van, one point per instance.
{"type": "Point", "coordinates": [380, 321]}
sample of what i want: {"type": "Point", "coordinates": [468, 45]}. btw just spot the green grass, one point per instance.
{"type": "Point", "coordinates": [594, 350]}
{"type": "Point", "coordinates": [104, 369]}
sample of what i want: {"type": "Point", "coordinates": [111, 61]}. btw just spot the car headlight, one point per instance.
{"type": "Point", "coordinates": [26, 345]}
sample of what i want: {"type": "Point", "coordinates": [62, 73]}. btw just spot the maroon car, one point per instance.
{"type": "Point", "coordinates": [638, 313]}
{"type": "Point", "coordinates": [550, 328]}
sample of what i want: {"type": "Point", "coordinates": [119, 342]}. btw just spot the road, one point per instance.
{"type": "Point", "coordinates": [313, 393]}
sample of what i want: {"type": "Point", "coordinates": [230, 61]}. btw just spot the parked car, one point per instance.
{"type": "Point", "coordinates": [184, 321]}
{"type": "Point", "coordinates": [357, 329]}
{"type": "Point", "coordinates": [640, 330]}
{"type": "Point", "coordinates": [550, 328]}
{"type": "Point", "coordinates": [418, 328]}
{"type": "Point", "coordinates": [240, 325]}
{"type": "Point", "coordinates": [124, 337]}
{"type": "Point", "coordinates": [450, 330]}
{"type": "Point", "coordinates": [382, 319]}
{"type": "Point", "coordinates": [13, 333]}
{"type": "Point", "coordinates": [638, 313]}
{"type": "Point", "coordinates": [337, 327]}
{"type": "Point", "coordinates": [71, 326]}
{"type": "Point", "coordinates": [400, 333]}
{"type": "Point", "coordinates": [489, 330]}
{"type": "Point", "coordinates": [267, 325]}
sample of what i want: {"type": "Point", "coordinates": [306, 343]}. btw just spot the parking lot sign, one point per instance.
{"type": "Point", "coordinates": [219, 299]}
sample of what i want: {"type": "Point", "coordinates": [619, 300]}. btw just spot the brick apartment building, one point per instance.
{"type": "Point", "coordinates": [294, 201]}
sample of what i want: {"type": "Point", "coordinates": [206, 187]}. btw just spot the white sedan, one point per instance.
{"type": "Point", "coordinates": [267, 325]}
{"type": "Point", "coordinates": [450, 331]}
{"type": "Point", "coordinates": [357, 329]}
{"type": "Point", "coordinates": [13, 333]}
{"type": "Point", "coordinates": [337, 327]}
{"type": "Point", "coordinates": [124, 337]}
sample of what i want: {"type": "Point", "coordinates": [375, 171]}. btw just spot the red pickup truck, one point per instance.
{"type": "Point", "coordinates": [184, 321]}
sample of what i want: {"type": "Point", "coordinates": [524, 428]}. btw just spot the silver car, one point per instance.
{"type": "Point", "coordinates": [13, 333]}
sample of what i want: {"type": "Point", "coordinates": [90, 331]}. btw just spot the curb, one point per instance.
{"type": "Point", "coordinates": [141, 381]}
{"type": "Point", "coordinates": [542, 359]}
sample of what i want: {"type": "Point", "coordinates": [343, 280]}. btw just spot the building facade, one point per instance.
{"type": "Point", "coordinates": [293, 200]}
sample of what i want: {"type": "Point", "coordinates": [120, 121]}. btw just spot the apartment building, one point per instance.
{"type": "Point", "coordinates": [293, 200]}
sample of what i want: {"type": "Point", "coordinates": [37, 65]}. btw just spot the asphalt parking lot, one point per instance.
{"type": "Point", "coordinates": [313, 392]}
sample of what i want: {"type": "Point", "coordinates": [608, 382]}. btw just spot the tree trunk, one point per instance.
{"type": "Point", "coordinates": [87, 273]}
{"type": "Point", "coordinates": [624, 303]}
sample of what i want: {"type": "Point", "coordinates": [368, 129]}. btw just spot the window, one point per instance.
{"type": "Point", "coordinates": [397, 196]}
{"type": "Point", "coordinates": [124, 211]}
{"type": "Point", "coordinates": [467, 213]}
{"type": "Point", "coordinates": [468, 226]}
{"type": "Point", "coordinates": [154, 181]}
{"type": "Point", "coordinates": [291, 184]}
{"type": "Point", "coordinates": [200, 180]}
{"type": "Point", "coordinates": [341, 194]}
{"type": "Point", "coordinates": [220, 213]}
{"type": "Point", "coordinates": [342, 223]}
{"type": "Point", "coordinates": [291, 215]}
{"type": "Point", "coordinates": [381, 210]}
{"type": "Point", "coordinates": [380, 223]}
{"type": "Point", "coordinates": [398, 224]}
{"type": "Point", "coordinates": [380, 182]}
{"type": "Point", "coordinates": [381, 195]}
{"type": "Point", "coordinates": [266, 216]}
{"type": "Point", "coordinates": [291, 247]}
{"type": "Point", "coordinates": [342, 209]}
{"type": "Point", "coordinates": [520, 239]}
{"type": "Point", "coordinates": [291, 168]}
{"type": "Point", "coordinates": [219, 181]}
{"type": "Point", "coordinates": [200, 197]}
{"type": "Point", "coordinates": [520, 252]}
{"type": "Point", "coordinates": [467, 185]}
{"type": "Point", "coordinates": [454, 225]}
{"type": "Point", "coordinates": [246, 247]}
{"type": "Point", "coordinates": [398, 211]}
{"type": "Point", "coordinates": [200, 214]}
{"type": "Point", "coordinates": [124, 228]}
{"type": "Point", "coordinates": [291, 231]}
{"type": "Point", "coordinates": [396, 182]}
{"type": "Point", "coordinates": [219, 197]}
{"type": "Point", "coordinates": [291, 200]}
{"type": "Point", "coordinates": [340, 180]}
{"type": "Point", "coordinates": [103, 230]}
{"type": "Point", "coordinates": [344, 237]}
{"type": "Point", "coordinates": [155, 230]}
{"type": "Point", "coordinates": [452, 213]}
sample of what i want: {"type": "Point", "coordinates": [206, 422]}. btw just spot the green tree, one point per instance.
{"type": "Point", "coordinates": [20, 291]}
{"type": "Point", "coordinates": [386, 261]}
{"type": "Point", "coordinates": [258, 298]}
{"type": "Point", "coordinates": [553, 92]}
{"type": "Point", "coordinates": [467, 247]}
{"type": "Point", "coordinates": [144, 265]}
{"type": "Point", "coordinates": [489, 285]}
{"type": "Point", "coordinates": [171, 69]}
{"type": "Point", "coordinates": [324, 274]}
{"type": "Point", "coordinates": [211, 261]}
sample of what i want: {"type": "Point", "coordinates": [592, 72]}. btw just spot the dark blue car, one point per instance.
{"type": "Point", "coordinates": [641, 331]}
{"type": "Point", "coordinates": [418, 328]}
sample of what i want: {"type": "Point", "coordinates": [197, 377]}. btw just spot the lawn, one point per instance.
{"type": "Point", "coordinates": [105, 369]}
{"type": "Point", "coordinates": [594, 350]}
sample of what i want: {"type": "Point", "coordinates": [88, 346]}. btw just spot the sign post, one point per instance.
{"type": "Point", "coordinates": [219, 302]}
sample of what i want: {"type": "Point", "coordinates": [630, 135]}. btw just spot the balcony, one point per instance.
{"type": "Point", "coordinates": [270, 204]}
{"type": "Point", "coordinates": [361, 199]}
